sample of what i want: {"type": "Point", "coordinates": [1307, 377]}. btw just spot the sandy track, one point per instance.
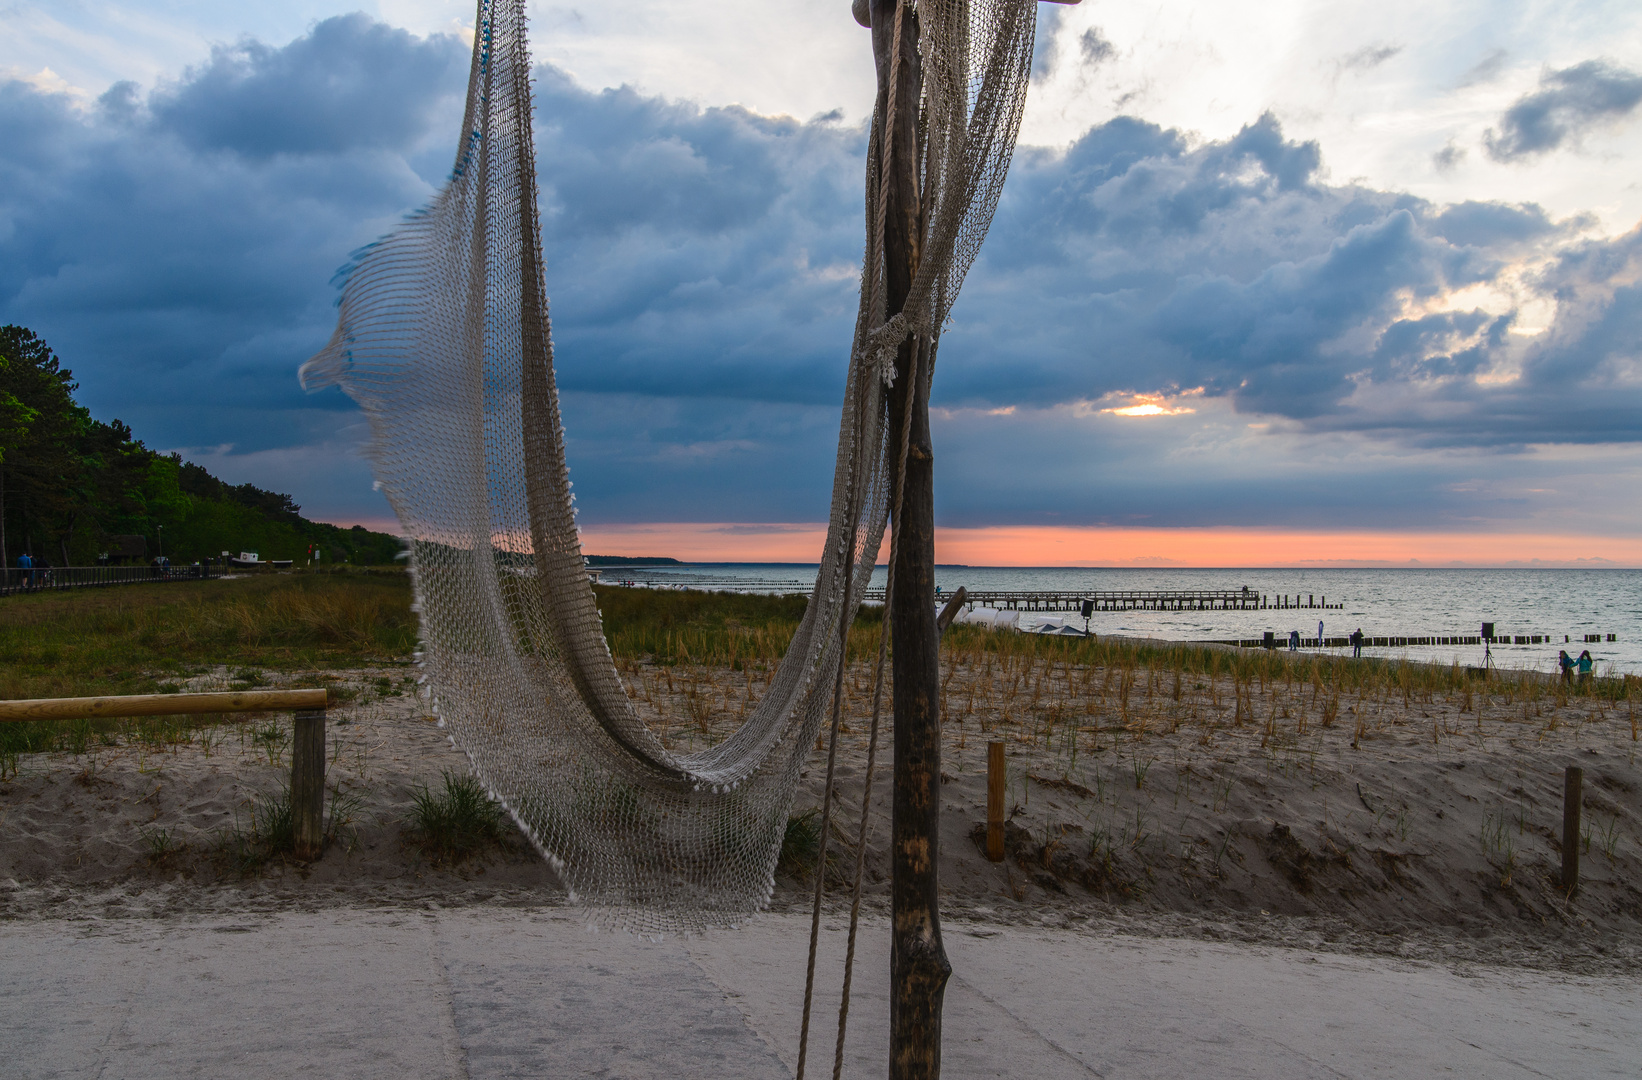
{"type": "Point", "coordinates": [484, 992]}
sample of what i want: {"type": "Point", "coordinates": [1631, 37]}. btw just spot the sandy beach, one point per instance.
{"type": "Point", "coordinates": [1203, 877]}
{"type": "Point", "coordinates": [1274, 814]}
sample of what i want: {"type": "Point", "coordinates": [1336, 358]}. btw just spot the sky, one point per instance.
{"type": "Point", "coordinates": [1290, 282]}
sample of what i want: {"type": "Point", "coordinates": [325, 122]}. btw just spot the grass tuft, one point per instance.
{"type": "Point", "coordinates": [458, 821]}
{"type": "Point", "coordinates": [801, 844]}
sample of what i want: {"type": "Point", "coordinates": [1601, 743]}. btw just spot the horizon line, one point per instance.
{"type": "Point", "coordinates": [1122, 547]}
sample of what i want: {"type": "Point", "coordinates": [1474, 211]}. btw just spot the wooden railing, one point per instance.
{"type": "Point", "coordinates": [307, 741]}
{"type": "Point", "coordinates": [15, 579]}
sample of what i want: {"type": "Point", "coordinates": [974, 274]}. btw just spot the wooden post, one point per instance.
{"type": "Point", "coordinates": [308, 783]}
{"type": "Point", "coordinates": [996, 785]}
{"type": "Point", "coordinates": [918, 963]}
{"type": "Point", "coordinates": [1573, 789]}
{"type": "Point", "coordinates": [950, 612]}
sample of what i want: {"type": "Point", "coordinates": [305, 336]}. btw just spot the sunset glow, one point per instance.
{"type": "Point", "coordinates": [1153, 405]}
{"type": "Point", "coordinates": [1055, 546]}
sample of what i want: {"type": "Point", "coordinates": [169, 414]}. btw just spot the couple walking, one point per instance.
{"type": "Point", "coordinates": [1568, 664]}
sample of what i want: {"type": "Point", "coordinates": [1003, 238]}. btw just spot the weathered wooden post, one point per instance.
{"type": "Point", "coordinates": [918, 963]}
{"type": "Point", "coordinates": [308, 783]}
{"type": "Point", "coordinates": [997, 781]}
{"type": "Point", "coordinates": [1573, 792]}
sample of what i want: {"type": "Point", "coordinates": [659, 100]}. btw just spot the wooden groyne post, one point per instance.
{"type": "Point", "coordinates": [996, 785]}
{"type": "Point", "coordinates": [1573, 793]}
{"type": "Point", "coordinates": [307, 746]}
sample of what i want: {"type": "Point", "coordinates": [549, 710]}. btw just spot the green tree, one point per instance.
{"type": "Point", "coordinates": [15, 418]}
{"type": "Point", "coordinates": [70, 482]}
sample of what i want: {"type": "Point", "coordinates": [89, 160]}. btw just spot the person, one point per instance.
{"type": "Point", "coordinates": [1585, 666]}
{"type": "Point", "coordinates": [1357, 643]}
{"type": "Point", "coordinates": [1294, 641]}
{"type": "Point", "coordinates": [1566, 664]}
{"type": "Point", "coordinates": [1321, 641]}
{"type": "Point", "coordinates": [26, 561]}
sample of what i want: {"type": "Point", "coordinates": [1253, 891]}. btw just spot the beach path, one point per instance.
{"type": "Point", "coordinates": [494, 992]}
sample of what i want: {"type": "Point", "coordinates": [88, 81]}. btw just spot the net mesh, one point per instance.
{"type": "Point", "coordinates": [444, 341]}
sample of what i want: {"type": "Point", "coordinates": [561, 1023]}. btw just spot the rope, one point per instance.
{"type": "Point", "coordinates": [887, 138]}
{"type": "Point", "coordinates": [877, 709]}
{"type": "Point", "coordinates": [826, 798]}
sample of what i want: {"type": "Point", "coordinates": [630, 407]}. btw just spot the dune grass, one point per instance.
{"type": "Point", "coordinates": [458, 821]}
{"type": "Point", "coordinates": [133, 639]}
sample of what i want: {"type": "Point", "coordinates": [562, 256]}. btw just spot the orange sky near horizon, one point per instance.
{"type": "Point", "coordinates": [1069, 546]}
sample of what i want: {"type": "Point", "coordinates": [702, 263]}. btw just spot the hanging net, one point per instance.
{"type": "Point", "coordinates": [444, 341]}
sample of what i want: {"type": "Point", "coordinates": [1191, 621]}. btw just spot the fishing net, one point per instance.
{"type": "Point", "coordinates": [444, 341]}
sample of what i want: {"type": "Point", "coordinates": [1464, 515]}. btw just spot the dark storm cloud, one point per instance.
{"type": "Point", "coordinates": [1567, 104]}
{"type": "Point", "coordinates": [350, 83]}
{"type": "Point", "coordinates": [176, 246]}
{"type": "Point", "coordinates": [1136, 263]}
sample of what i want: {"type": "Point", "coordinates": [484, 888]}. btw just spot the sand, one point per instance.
{"type": "Point", "coordinates": [1403, 828]}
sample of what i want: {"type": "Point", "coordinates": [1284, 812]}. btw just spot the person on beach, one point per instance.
{"type": "Point", "coordinates": [1357, 643]}
{"type": "Point", "coordinates": [1294, 641]}
{"type": "Point", "coordinates": [1585, 666]}
{"type": "Point", "coordinates": [1321, 641]}
{"type": "Point", "coordinates": [1566, 663]}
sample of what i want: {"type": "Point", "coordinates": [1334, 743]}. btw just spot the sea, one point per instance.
{"type": "Point", "coordinates": [1557, 605]}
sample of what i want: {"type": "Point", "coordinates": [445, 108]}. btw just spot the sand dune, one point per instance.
{"type": "Point", "coordinates": [1373, 823]}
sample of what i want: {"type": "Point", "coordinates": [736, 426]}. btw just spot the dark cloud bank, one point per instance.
{"type": "Point", "coordinates": [176, 245]}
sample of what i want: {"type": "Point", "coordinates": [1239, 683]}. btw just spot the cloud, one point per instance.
{"type": "Point", "coordinates": [1486, 69]}
{"type": "Point", "coordinates": [1094, 47]}
{"type": "Point", "coordinates": [1367, 57]}
{"type": "Point", "coordinates": [1568, 103]}
{"type": "Point", "coordinates": [1448, 158]}
{"type": "Point", "coordinates": [1353, 355]}
{"type": "Point", "coordinates": [1137, 263]}
{"type": "Point", "coordinates": [349, 83]}
{"type": "Point", "coordinates": [1044, 54]}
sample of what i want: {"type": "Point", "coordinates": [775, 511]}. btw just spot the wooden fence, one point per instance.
{"type": "Point", "coordinates": [307, 742]}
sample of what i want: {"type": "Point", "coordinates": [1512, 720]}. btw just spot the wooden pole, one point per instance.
{"type": "Point", "coordinates": [308, 784]}
{"type": "Point", "coordinates": [950, 612]}
{"type": "Point", "coordinates": [997, 780]}
{"type": "Point", "coordinates": [918, 963]}
{"type": "Point", "coordinates": [1573, 789]}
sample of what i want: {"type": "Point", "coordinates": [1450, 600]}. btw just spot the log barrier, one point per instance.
{"type": "Point", "coordinates": [307, 743]}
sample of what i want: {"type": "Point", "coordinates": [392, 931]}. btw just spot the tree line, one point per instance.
{"type": "Point", "coordinates": [74, 489]}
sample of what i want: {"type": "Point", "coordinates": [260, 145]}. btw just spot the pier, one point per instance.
{"type": "Point", "coordinates": [1139, 600]}
{"type": "Point", "coordinates": [1280, 641]}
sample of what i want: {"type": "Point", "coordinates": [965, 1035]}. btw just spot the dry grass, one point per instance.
{"type": "Point", "coordinates": [135, 638]}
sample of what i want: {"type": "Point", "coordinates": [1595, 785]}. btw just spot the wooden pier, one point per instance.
{"type": "Point", "coordinates": [1281, 641]}
{"type": "Point", "coordinates": [1140, 600]}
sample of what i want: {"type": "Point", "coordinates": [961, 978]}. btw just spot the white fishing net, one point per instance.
{"type": "Point", "coordinates": [444, 341]}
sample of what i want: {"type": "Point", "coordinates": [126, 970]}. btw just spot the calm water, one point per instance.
{"type": "Point", "coordinates": [1383, 603]}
